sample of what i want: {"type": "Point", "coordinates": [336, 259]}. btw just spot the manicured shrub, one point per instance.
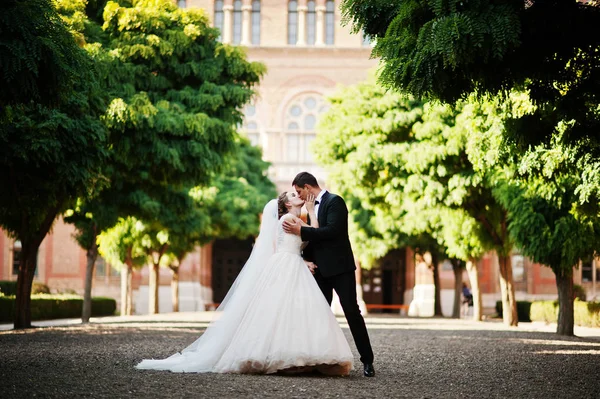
{"type": "Point", "coordinates": [102, 306]}
{"type": "Point", "coordinates": [586, 314]}
{"type": "Point", "coordinates": [546, 311]}
{"type": "Point", "coordinates": [523, 308]}
{"type": "Point", "coordinates": [9, 288]}
{"type": "Point", "coordinates": [578, 292]}
{"type": "Point", "coordinates": [39, 288]}
{"type": "Point", "coordinates": [46, 307]}
{"type": "Point", "coordinates": [7, 308]}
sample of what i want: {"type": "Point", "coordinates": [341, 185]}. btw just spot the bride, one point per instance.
{"type": "Point", "coordinates": [274, 318]}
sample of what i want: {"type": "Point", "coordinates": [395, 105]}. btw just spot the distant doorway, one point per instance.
{"type": "Point", "coordinates": [385, 282]}
{"type": "Point", "coordinates": [229, 256]}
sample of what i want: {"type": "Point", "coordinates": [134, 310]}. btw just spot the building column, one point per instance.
{"type": "Point", "coordinates": [227, 21]}
{"type": "Point", "coordinates": [302, 8]}
{"type": "Point", "coordinates": [246, 23]}
{"type": "Point", "coordinates": [320, 37]}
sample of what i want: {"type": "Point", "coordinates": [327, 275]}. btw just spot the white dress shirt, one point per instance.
{"type": "Point", "coordinates": [319, 197]}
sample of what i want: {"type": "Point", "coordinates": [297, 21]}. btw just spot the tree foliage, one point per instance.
{"type": "Point", "coordinates": [52, 143]}
{"type": "Point", "coordinates": [39, 61]}
{"type": "Point", "coordinates": [403, 164]}
{"type": "Point", "coordinates": [541, 190]}
{"type": "Point", "coordinates": [450, 49]}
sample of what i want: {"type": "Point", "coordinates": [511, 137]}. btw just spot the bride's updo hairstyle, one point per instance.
{"type": "Point", "coordinates": [281, 208]}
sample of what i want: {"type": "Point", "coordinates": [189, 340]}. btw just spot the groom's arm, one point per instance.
{"type": "Point", "coordinates": [336, 223]}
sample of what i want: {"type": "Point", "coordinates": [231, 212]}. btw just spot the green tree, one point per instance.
{"type": "Point", "coordinates": [350, 147]}
{"type": "Point", "coordinates": [449, 49]}
{"type": "Point", "coordinates": [121, 246]}
{"type": "Point", "coordinates": [229, 207]}
{"type": "Point", "coordinates": [90, 217]}
{"type": "Point", "coordinates": [51, 139]}
{"type": "Point", "coordinates": [175, 94]}
{"type": "Point", "coordinates": [410, 161]}
{"type": "Point", "coordinates": [236, 196]}
{"type": "Point", "coordinates": [539, 188]}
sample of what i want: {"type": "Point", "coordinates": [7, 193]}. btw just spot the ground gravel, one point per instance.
{"type": "Point", "coordinates": [415, 358]}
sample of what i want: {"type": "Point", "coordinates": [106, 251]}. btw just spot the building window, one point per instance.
{"type": "Point", "coordinates": [16, 257]}
{"type": "Point", "coordinates": [237, 21]}
{"type": "Point", "coordinates": [292, 22]}
{"type": "Point", "coordinates": [103, 270]}
{"type": "Point", "coordinates": [329, 22]}
{"type": "Point", "coordinates": [256, 22]}
{"type": "Point", "coordinates": [16, 261]}
{"type": "Point", "coordinates": [250, 126]}
{"type": "Point", "coordinates": [219, 16]}
{"type": "Point", "coordinates": [311, 23]}
{"type": "Point", "coordinates": [300, 124]}
{"type": "Point", "coordinates": [587, 269]}
{"type": "Point", "coordinates": [100, 267]}
{"type": "Point", "coordinates": [518, 266]}
{"type": "Point", "coordinates": [182, 3]}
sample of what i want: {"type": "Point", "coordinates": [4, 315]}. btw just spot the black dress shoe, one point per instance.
{"type": "Point", "coordinates": [369, 370]}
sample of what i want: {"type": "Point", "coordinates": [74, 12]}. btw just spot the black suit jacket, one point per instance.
{"type": "Point", "coordinates": [328, 245]}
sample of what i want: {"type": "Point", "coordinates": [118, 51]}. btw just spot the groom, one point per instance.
{"type": "Point", "coordinates": [329, 248]}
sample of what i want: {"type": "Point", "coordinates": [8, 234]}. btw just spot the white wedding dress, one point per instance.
{"type": "Point", "coordinates": [274, 319]}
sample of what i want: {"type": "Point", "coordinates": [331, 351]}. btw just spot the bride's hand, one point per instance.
{"type": "Point", "coordinates": [310, 203]}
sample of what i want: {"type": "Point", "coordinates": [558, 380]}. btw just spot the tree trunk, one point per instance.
{"type": "Point", "coordinates": [507, 290]}
{"type": "Point", "coordinates": [175, 288]}
{"type": "Point", "coordinates": [437, 302]}
{"type": "Point", "coordinates": [124, 290]}
{"type": "Point", "coordinates": [129, 306]}
{"type": "Point", "coordinates": [27, 264]}
{"type": "Point", "coordinates": [458, 271]}
{"type": "Point", "coordinates": [566, 318]}
{"type": "Point", "coordinates": [91, 255]}
{"type": "Point", "coordinates": [153, 289]}
{"type": "Point", "coordinates": [474, 280]}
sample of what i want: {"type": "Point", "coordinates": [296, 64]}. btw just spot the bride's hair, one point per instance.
{"type": "Point", "coordinates": [281, 208]}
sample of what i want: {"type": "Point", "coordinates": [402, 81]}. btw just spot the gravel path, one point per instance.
{"type": "Point", "coordinates": [415, 358]}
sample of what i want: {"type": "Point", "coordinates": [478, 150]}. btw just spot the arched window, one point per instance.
{"type": "Point", "coordinates": [292, 22]}
{"type": "Point", "coordinates": [219, 16]}
{"type": "Point", "coordinates": [256, 22]}
{"type": "Point", "coordinates": [237, 21]}
{"type": "Point", "coordinates": [300, 122]}
{"type": "Point", "coordinates": [329, 21]}
{"type": "Point", "coordinates": [311, 22]}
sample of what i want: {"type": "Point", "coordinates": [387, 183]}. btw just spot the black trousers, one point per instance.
{"type": "Point", "coordinates": [345, 286]}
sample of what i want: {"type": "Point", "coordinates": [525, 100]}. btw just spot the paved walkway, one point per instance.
{"type": "Point", "coordinates": [415, 358]}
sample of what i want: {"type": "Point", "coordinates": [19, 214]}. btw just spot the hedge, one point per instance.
{"type": "Point", "coordinates": [586, 314]}
{"type": "Point", "coordinates": [523, 310]}
{"type": "Point", "coordinates": [9, 288]}
{"type": "Point", "coordinates": [47, 307]}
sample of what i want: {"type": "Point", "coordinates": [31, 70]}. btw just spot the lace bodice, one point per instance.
{"type": "Point", "coordinates": [287, 242]}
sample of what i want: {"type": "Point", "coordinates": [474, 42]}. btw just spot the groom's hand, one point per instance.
{"type": "Point", "coordinates": [311, 267]}
{"type": "Point", "coordinates": [292, 227]}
